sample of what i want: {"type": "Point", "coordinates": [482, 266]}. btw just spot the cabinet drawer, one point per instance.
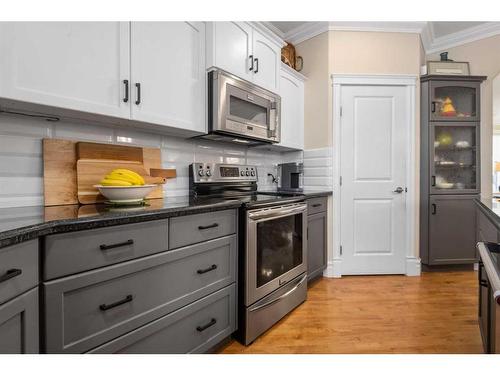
{"type": "Point", "coordinates": [86, 310]}
{"type": "Point", "coordinates": [192, 329]}
{"type": "Point", "coordinates": [19, 324]}
{"type": "Point", "coordinates": [74, 252]}
{"type": "Point", "coordinates": [315, 205]}
{"type": "Point", "coordinates": [18, 269]}
{"type": "Point", "coordinates": [186, 230]}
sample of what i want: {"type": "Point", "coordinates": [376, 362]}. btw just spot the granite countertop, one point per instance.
{"type": "Point", "coordinates": [21, 224]}
{"type": "Point", "coordinates": [491, 208]}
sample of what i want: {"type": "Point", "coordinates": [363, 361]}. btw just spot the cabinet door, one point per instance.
{"type": "Point", "coordinates": [19, 324]}
{"type": "Point", "coordinates": [230, 48]}
{"type": "Point", "coordinates": [267, 62]}
{"type": "Point", "coordinates": [454, 101]}
{"type": "Point", "coordinates": [452, 230]}
{"type": "Point", "coordinates": [72, 65]}
{"type": "Point", "coordinates": [292, 111]}
{"type": "Point", "coordinates": [168, 62]}
{"type": "Point", "coordinates": [316, 244]}
{"type": "Point", "coordinates": [454, 149]}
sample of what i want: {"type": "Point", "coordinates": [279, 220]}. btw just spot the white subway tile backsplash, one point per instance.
{"type": "Point", "coordinates": [21, 163]}
{"type": "Point", "coordinates": [318, 169]}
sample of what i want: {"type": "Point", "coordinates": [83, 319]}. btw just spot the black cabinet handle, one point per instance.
{"type": "Point", "coordinates": [138, 86]}
{"type": "Point", "coordinates": [214, 225]}
{"type": "Point", "coordinates": [114, 245]}
{"type": "Point", "coordinates": [483, 283]}
{"type": "Point", "coordinates": [127, 299]}
{"type": "Point", "coordinates": [125, 82]}
{"type": "Point", "coordinates": [209, 324]}
{"type": "Point", "coordinates": [10, 274]}
{"type": "Point", "coordinates": [316, 204]}
{"type": "Point", "coordinates": [256, 65]}
{"type": "Point", "coordinates": [433, 107]}
{"type": "Point", "coordinates": [433, 208]}
{"type": "Point", "coordinates": [433, 180]}
{"type": "Point", "coordinates": [211, 268]}
{"type": "Point", "coordinates": [251, 62]}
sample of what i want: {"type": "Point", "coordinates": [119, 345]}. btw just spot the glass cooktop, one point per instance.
{"type": "Point", "coordinates": [257, 199]}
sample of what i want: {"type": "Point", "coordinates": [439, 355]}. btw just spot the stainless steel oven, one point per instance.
{"type": "Point", "coordinates": [240, 111]}
{"type": "Point", "coordinates": [276, 249]}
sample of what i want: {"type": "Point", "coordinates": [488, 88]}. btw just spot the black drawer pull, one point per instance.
{"type": "Point", "coordinates": [115, 245]}
{"type": "Point", "coordinates": [316, 204]}
{"type": "Point", "coordinates": [214, 225]}
{"type": "Point", "coordinates": [10, 274]}
{"type": "Point", "coordinates": [211, 268]}
{"type": "Point", "coordinates": [127, 299]}
{"type": "Point", "coordinates": [483, 283]}
{"type": "Point", "coordinates": [208, 325]}
{"type": "Point", "coordinates": [125, 82]}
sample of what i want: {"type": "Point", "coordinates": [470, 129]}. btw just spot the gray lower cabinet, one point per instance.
{"type": "Point", "coordinates": [70, 253]}
{"type": "Point", "coordinates": [192, 329]}
{"type": "Point", "coordinates": [19, 328]}
{"type": "Point", "coordinates": [18, 269]}
{"type": "Point", "coordinates": [86, 310]}
{"type": "Point", "coordinates": [452, 229]}
{"type": "Point", "coordinates": [316, 237]}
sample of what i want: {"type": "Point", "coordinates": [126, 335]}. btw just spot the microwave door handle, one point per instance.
{"type": "Point", "coordinates": [272, 124]}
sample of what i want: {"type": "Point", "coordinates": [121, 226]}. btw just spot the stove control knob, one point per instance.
{"type": "Point", "coordinates": [208, 173]}
{"type": "Point", "coordinates": [201, 173]}
{"type": "Point", "coordinates": [252, 173]}
{"type": "Point", "coordinates": [248, 173]}
{"type": "Point", "coordinates": [242, 173]}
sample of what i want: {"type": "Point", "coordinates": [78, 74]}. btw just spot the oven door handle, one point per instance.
{"type": "Point", "coordinates": [277, 213]}
{"type": "Point", "coordinates": [259, 306]}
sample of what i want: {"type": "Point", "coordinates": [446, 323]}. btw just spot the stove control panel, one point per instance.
{"type": "Point", "coordinates": [214, 172]}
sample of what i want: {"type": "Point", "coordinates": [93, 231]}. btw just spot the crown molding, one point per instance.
{"type": "Point", "coordinates": [306, 31]}
{"type": "Point", "coordinates": [462, 37]}
{"type": "Point", "coordinates": [430, 42]}
{"type": "Point", "coordinates": [267, 31]}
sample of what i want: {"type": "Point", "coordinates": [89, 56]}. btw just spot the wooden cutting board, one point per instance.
{"type": "Point", "coordinates": [64, 158]}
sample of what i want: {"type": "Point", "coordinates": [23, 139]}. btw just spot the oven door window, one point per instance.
{"type": "Point", "coordinates": [279, 247]}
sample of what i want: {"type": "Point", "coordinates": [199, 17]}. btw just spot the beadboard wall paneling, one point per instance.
{"type": "Point", "coordinates": [21, 163]}
{"type": "Point", "coordinates": [318, 169]}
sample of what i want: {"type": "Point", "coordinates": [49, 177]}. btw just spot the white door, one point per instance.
{"type": "Point", "coordinates": [73, 65]}
{"type": "Point", "coordinates": [168, 74]}
{"type": "Point", "coordinates": [267, 62]}
{"type": "Point", "coordinates": [292, 111]}
{"type": "Point", "coordinates": [233, 45]}
{"type": "Point", "coordinates": [374, 132]}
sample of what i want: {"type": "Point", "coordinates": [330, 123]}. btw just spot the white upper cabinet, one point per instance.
{"type": "Point", "coordinates": [242, 50]}
{"type": "Point", "coordinates": [267, 60]}
{"type": "Point", "coordinates": [292, 108]}
{"type": "Point", "coordinates": [232, 49]}
{"type": "Point", "coordinates": [73, 65]}
{"type": "Point", "coordinates": [168, 76]}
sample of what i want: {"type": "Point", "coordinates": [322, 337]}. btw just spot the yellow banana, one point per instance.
{"type": "Point", "coordinates": [111, 182]}
{"type": "Point", "coordinates": [127, 175]}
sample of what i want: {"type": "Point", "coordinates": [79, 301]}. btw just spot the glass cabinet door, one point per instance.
{"type": "Point", "coordinates": [454, 101]}
{"type": "Point", "coordinates": [454, 158]}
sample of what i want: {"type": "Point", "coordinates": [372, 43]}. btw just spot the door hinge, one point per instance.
{"type": "Point", "coordinates": [340, 181]}
{"type": "Point", "coordinates": [340, 249]}
{"type": "Point", "coordinates": [341, 111]}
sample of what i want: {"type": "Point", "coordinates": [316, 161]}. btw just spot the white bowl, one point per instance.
{"type": "Point", "coordinates": [125, 194]}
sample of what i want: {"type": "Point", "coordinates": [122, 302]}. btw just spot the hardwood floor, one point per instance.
{"type": "Point", "coordinates": [434, 313]}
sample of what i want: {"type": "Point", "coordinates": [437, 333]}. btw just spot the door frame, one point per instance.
{"type": "Point", "coordinates": [410, 82]}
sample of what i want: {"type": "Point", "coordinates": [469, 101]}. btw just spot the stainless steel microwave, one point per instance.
{"type": "Point", "coordinates": [240, 111]}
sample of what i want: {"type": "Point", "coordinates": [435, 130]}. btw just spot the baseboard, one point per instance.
{"type": "Point", "coordinates": [413, 266]}
{"type": "Point", "coordinates": [333, 269]}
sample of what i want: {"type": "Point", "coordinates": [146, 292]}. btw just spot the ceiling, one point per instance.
{"type": "Point", "coordinates": [436, 35]}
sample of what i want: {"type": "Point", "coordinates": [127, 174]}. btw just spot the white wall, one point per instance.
{"type": "Point", "coordinates": [21, 163]}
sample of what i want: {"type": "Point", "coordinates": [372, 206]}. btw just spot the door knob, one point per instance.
{"type": "Point", "coordinates": [399, 190]}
